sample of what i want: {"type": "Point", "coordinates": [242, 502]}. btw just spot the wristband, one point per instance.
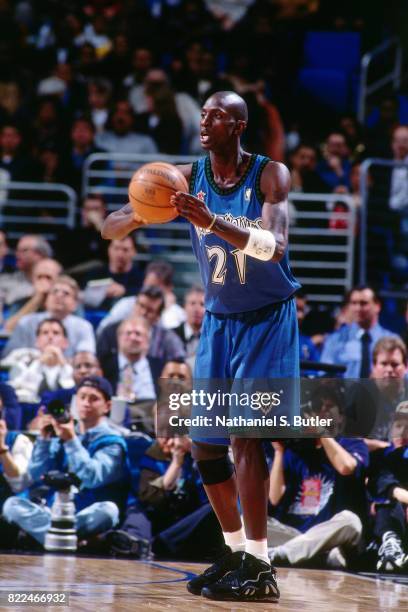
{"type": "Point", "coordinates": [4, 450]}
{"type": "Point", "coordinates": [213, 220]}
{"type": "Point", "coordinates": [261, 244]}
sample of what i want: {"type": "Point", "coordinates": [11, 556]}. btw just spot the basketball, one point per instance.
{"type": "Point", "coordinates": [150, 189]}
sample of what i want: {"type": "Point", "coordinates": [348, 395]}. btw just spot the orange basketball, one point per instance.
{"type": "Point", "coordinates": [150, 189]}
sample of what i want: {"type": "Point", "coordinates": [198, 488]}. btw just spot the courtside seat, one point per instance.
{"type": "Point", "coordinates": [332, 51]}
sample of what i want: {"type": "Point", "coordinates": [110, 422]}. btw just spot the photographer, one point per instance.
{"type": "Point", "coordinates": [181, 523]}
{"type": "Point", "coordinates": [318, 498]}
{"type": "Point", "coordinates": [97, 457]}
{"type": "Point", "coordinates": [15, 453]}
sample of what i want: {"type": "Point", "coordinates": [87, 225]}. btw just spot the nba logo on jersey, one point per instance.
{"type": "Point", "coordinates": [248, 192]}
{"type": "Point", "coordinates": [201, 195]}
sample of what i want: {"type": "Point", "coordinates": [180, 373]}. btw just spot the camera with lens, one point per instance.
{"type": "Point", "coordinates": [57, 409]}
{"type": "Point", "coordinates": [61, 535]}
{"type": "Point", "coordinates": [61, 481]}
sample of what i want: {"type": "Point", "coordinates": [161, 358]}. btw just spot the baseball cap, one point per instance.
{"type": "Point", "coordinates": [97, 382]}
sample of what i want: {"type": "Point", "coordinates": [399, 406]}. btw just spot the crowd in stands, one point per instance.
{"type": "Point", "coordinates": [126, 77]}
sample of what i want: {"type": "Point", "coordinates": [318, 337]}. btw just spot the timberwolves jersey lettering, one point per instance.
{"type": "Point", "coordinates": [233, 281]}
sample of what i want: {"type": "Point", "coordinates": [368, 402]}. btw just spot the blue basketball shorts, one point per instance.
{"type": "Point", "coordinates": [254, 345]}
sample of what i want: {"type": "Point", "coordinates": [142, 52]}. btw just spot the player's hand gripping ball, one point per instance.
{"type": "Point", "coordinates": [150, 190]}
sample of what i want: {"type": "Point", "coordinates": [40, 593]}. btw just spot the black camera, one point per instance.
{"type": "Point", "coordinates": [61, 481]}
{"type": "Point", "coordinates": [57, 409]}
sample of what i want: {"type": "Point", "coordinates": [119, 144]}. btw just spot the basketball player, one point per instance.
{"type": "Point", "coordinates": [238, 210]}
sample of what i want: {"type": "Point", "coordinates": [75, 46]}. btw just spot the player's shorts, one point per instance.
{"type": "Point", "coordinates": [259, 344]}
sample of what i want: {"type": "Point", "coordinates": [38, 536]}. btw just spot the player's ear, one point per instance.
{"type": "Point", "coordinates": [240, 126]}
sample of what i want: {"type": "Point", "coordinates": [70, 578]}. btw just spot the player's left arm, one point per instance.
{"type": "Point", "coordinates": [275, 185]}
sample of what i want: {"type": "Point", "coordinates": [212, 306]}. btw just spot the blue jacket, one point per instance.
{"type": "Point", "coordinates": [98, 458]}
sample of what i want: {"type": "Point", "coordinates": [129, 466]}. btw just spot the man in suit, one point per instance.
{"type": "Point", "coordinates": [352, 345]}
{"type": "Point", "coordinates": [131, 372]}
{"type": "Point", "coordinates": [164, 343]}
{"type": "Point", "coordinates": [190, 330]}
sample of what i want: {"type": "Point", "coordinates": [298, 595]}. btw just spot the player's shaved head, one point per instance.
{"type": "Point", "coordinates": [231, 102]}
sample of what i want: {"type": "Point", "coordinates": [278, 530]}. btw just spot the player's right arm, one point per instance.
{"type": "Point", "coordinates": [120, 223]}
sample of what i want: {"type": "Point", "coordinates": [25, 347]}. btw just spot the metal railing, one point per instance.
{"type": "Point", "coordinates": [393, 76]}
{"type": "Point", "coordinates": [109, 173]}
{"type": "Point", "coordinates": [321, 244]}
{"type": "Point", "coordinates": [38, 207]}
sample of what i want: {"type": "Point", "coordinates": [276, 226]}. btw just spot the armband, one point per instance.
{"type": "Point", "coordinates": [261, 244]}
{"type": "Point", "coordinates": [213, 220]}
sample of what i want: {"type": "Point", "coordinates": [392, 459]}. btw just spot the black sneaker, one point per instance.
{"type": "Point", "coordinates": [122, 543]}
{"type": "Point", "coordinates": [254, 580]}
{"type": "Point", "coordinates": [391, 557]}
{"type": "Point", "coordinates": [228, 562]}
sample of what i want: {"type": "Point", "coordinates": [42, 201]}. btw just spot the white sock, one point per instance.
{"type": "Point", "coordinates": [235, 539]}
{"type": "Point", "coordinates": [258, 548]}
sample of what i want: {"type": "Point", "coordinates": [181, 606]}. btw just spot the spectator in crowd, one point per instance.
{"type": "Point", "coordinates": [7, 259]}
{"type": "Point", "coordinates": [15, 454]}
{"type": "Point", "coordinates": [15, 165]}
{"type": "Point", "coordinates": [398, 199]}
{"type": "Point", "coordinates": [132, 373]}
{"type": "Point", "coordinates": [90, 248]}
{"type": "Point", "coordinates": [388, 485]}
{"type": "Point", "coordinates": [158, 274]}
{"type": "Point", "coordinates": [390, 360]}
{"type": "Point", "coordinates": [62, 301]}
{"type": "Point", "coordinates": [303, 164]}
{"type": "Point", "coordinates": [45, 273]}
{"type": "Point", "coordinates": [161, 274]}
{"type": "Point", "coordinates": [121, 137]}
{"type": "Point", "coordinates": [99, 95]}
{"type": "Point", "coordinates": [115, 66]}
{"type": "Point", "coordinates": [318, 498]}
{"type": "Point", "coordinates": [161, 121]}
{"type": "Point", "coordinates": [48, 125]}
{"type": "Point", "coordinates": [173, 513]}
{"type": "Point", "coordinates": [18, 285]}
{"type": "Point", "coordinates": [352, 344]}
{"type": "Point", "coordinates": [122, 269]}
{"type": "Point", "coordinates": [142, 62]}
{"type": "Point", "coordinates": [334, 168]}
{"type": "Point", "coordinates": [308, 349]}
{"type": "Point", "coordinates": [164, 343]}
{"type": "Point", "coordinates": [187, 108]}
{"type": "Point", "coordinates": [97, 457]}
{"type": "Point", "coordinates": [190, 330]}
{"type": "Point", "coordinates": [84, 364]}
{"type": "Point", "coordinates": [51, 169]}
{"type": "Point", "coordinates": [379, 132]}
{"type": "Point", "coordinates": [82, 144]}
{"type": "Point", "coordinates": [45, 368]}
{"type": "Point", "coordinates": [86, 65]}
{"type": "Point", "coordinates": [404, 334]}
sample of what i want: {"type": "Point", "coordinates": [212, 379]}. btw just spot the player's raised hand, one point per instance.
{"type": "Point", "coordinates": [192, 208]}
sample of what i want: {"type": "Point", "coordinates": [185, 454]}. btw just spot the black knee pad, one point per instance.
{"type": "Point", "coordinates": [215, 471]}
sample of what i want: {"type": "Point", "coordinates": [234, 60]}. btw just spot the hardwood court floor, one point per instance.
{"type": "Point", "coordinates": [111, 584]}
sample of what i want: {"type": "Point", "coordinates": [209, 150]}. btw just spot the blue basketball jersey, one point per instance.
{"type": "Point", "coordinates": [233, 281]}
